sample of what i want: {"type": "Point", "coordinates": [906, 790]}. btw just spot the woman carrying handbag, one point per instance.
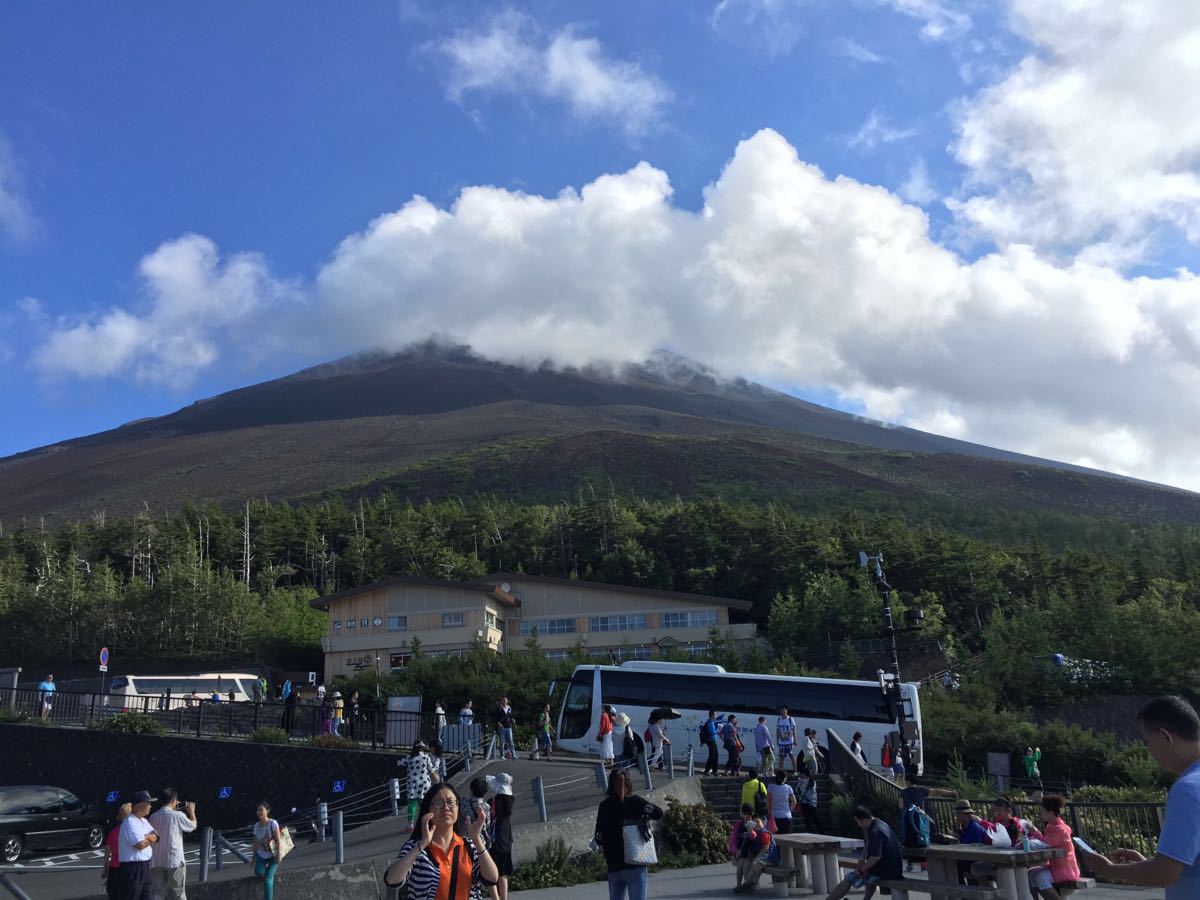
{"type": "Point", "coordinates": [623, 836]}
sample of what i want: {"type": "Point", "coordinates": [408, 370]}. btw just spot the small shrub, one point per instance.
{"type": "Point", "coordinates": [130, 723]}
{"type": "Point", "coordinates": [553, 865]}
{"type": "Point", "coordinates": [695, 829]}
{"type": "Point", "coordinates": [7, 716]}
{"type": "Point", "coordinates": [268, 734]}
{"type": "Point", "coordinates": [334, 742]}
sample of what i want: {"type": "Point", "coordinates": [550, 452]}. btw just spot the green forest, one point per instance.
{"type": "Point", "coordinates": [236, 584]}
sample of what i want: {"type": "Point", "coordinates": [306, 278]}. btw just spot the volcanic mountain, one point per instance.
{"type": "Point", "coordinates": [433, 422]}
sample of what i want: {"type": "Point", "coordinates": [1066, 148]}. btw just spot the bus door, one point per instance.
{"type": "Point", "coordinates": [576, 719]}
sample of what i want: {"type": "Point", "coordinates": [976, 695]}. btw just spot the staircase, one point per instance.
{"type": "Point", "coordinates": [725, 796]}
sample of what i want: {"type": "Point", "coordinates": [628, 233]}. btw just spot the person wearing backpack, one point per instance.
{"type": "Point", "coordinates": [708, 737]}
{"type": "Point", "coordinates": [915, 827]}
{"type": "Point", "coordinates": [807, 792]}
{"type": "Point", "coordinates": [754, 795]}
{"type": "Point", "coordinates": [733, 746]}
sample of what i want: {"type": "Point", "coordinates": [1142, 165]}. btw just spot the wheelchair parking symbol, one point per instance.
{"type": "Point", "coordinates": [225, 793]}
{"type": "Point", "coordinates": [339, 787]}
{"type": "Point", "coordinates": [113, 797]}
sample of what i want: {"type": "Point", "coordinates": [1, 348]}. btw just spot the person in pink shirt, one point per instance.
{"type": "Point", "coordinates": [1062, 873]}
{"type": "Point", "coordinates": [108, 871]}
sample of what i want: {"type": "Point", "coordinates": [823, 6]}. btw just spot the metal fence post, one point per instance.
{"type": "Point", "coordinates": [394, 795]}
{"type": "Point", "coordinates": [257, 713]}
{"type": "Point", "coordinates": [491, 747]}
{"type": "Point", "coordinates": [339, 842]}
{"type": "Point", "coordinates": [92, 714]}
{"type": "Point", "coordinates": [644, 765]}
{"type": "Point", "coordinates": [669, 762]}
{"type": "Point", "coordinates": [219, 851]}
{"type": "Point", "coordinates": [601, 779]}
{"type": "Point", "coordinates": [7, 884]}
{"type": "Point", "coordinates": [539, 798]}
{"type": "Point", "coordinates": [322, 821]}
{"type": "Point", "coordinates": [206, 834]}
{"type": "Point", "coordinates": [229, 720]}
{"type": "Point", "coordinates": [691, 761]}
{"type": "Point", "coordinates": [199, 718]}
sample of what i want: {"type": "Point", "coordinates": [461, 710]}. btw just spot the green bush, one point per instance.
{"type": "Point", "coordinates": [8, 716]}
{"type": "Point", "coordinates": [268, 734]}
{"type": "Point", "coordinates": [130, 723]}
{"type": "Point", "coordinates": [554, 865]}
{"type": "Point", "coordinates": [334, 742]}
{"type": "Point", "coordinates": [695, 829]}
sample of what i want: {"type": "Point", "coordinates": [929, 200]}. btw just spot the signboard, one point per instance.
{"type": "Point", "coordinates": [113, 797]}
{"type": "Point", "coordinates": [312, 677]}
{"type": "Point", "coordinates": [225, 793]}
{"type": "Point", "coordinates": [104, 668]}
{"type": "Point", "coordinates": [103, 658]}
{"type": "Point", "coordinates": [339, 787]}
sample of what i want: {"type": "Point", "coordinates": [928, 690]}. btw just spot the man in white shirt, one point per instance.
{"type": "Point", "coordinates": [321, 691]}
{"type": "Point", "coordinates": [135, 843]}
{"type": "Point", "coordinates": [167, 865]}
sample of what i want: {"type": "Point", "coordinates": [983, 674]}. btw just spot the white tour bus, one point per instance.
{"type": "Point", "coordinates": [637, 687]}
{"type": "Point", "coordinates": [184, 689]}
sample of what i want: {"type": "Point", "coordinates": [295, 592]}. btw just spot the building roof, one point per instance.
{"type": "Point", "coordinates": [497, 578]}
{"type": "Point", "coordinates": [487, 590]}
{"type": "Point", "coordinates": [489, 586]}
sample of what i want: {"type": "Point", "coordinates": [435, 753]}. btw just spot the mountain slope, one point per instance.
{"type": "Point", "coordinates": [394, 420]}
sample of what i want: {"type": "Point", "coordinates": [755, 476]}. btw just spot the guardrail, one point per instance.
{"type": "Point", "coordinates": [302, 720]}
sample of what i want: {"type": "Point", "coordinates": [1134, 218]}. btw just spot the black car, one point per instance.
{"type": "Point", "coordinates": [37, 816]}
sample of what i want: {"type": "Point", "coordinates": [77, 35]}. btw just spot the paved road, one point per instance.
{"type": "Point", "coordinates": [717, 881]}
{"type": "Point", "coordinates": [570, 788]}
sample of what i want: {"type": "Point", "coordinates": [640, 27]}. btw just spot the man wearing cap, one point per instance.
{"type": "Point", "coordinates": [970, 831]}
{"type": "Point", "coordinates": [135, 847]}
{"type": "Point", "coordinates": [501, 784]}
{"type": "Point", "coordinates": [166, 862]}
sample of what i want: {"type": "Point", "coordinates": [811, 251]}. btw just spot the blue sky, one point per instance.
{"type": "Point", "coordinates": [273, 132]}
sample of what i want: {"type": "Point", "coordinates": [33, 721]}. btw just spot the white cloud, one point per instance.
{"type": "Point", "coordinates": [779, 24]}
{"type": "Point", "coordinates": [917, 187]}
{"type": "Point", "coordinates": [1093, 137]}
{"type": "Point", "coordinates": [18, 224]}
{"type": "Point", "coordinates": [852, 49]}
{"type": "Point", "coordinates": [512, 55]}
{"type": "Point", "coordinates": [875, 131]}
{"type": "Point", "coordinates": [196, 302]}
{"type": "Point", "coordinates": [784, 275]}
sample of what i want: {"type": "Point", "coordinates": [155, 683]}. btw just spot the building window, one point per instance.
{"type": "Point", "coordinates": [547, 626]}
{"type": "Point", "coordinates": [397, 623]}
{"type": "Point", "coordinates": [452, 620]}
{"type": "Point", "coordinates": [697, 619]}
{"type": "Point", "coordinates": [337, 624]}
{"type": "Point", "coordinates": [490, 619]}
{"type": "Point", "coordinates": [351, 623]}
{"type": "Point", "coordinates": [698, 648]}
{"type": "Point", "coordinates": [642, 652]}
{"type": "Point", "coordinates": [400, 660]}
{"type": "Point", "coordinates": [617, 623]}
{"type": "Point", "coordinates": [366, 622]}
{"type": "Point", "coordinates": [556, 655]}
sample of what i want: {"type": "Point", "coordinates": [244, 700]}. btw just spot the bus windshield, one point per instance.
{"type": "Point", "coordinates": [577, 707]}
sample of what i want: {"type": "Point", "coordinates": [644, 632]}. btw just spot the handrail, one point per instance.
{"type": "Point", "coordinates": [860, 778]}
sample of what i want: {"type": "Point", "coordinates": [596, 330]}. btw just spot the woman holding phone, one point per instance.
{"type": "Point", "coordinates": [446, 857]}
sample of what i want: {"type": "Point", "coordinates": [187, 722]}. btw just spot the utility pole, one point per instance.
{"type": "Point", "coordinates": [913, 619]}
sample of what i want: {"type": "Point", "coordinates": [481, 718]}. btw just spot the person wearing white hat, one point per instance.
{"type": "Point", "coordinates": [620, 723]}
{"type": "Point", "coordinates": [501, 785]}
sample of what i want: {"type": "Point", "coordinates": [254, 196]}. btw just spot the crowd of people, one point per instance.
{"type": "Point", "coordinates": [144, 854]}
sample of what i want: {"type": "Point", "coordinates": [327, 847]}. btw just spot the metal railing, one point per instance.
{"type": "Point", "coordinates": [373, 727]}
{"type": "Point", "coordinates": [861, 780]}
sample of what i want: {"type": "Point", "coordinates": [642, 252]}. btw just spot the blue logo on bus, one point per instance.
{"type": "Point", "coordinates": [225, 793]}
{"type": "Point", "coordinates": [339, 787]}
{"type": "Point", "coordinates": [112, 797]}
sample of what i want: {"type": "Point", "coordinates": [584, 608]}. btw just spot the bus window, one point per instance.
{"type": "Point", "coordinates": [577, 709]}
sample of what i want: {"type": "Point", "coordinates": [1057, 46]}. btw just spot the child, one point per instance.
{"type": "Point", "coordinates": [748, 838]}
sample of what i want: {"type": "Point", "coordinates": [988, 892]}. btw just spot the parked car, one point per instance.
{"type": "Point", "coordinates": [41, 817]}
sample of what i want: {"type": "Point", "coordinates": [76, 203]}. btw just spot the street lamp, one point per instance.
{"type": "Point", "coordinates": [889, 686]}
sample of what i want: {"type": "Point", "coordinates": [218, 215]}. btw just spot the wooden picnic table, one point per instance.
{"type": "Point", "coordinates": [815, 859]}
{"type": "Point", "coordinates": [1011, 865]}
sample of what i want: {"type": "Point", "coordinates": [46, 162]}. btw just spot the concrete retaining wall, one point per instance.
{"type": "Point", "coordinates": [579, 829]}
{"type": "Point", "coordinates": [353, 881]}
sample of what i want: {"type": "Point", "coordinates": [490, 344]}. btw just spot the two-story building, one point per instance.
{"type": "Point", "coordinates": [373, 627]}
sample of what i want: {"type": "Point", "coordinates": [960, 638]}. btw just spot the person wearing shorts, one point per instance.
{"type": "Point", "coordinates": [785, 731]}
{"type": "Point", "coordinates": [881, 859]}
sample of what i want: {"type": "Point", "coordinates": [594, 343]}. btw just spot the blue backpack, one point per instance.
{"type": "Point", "coordinates": [914, 827]}
{"type": "Point", "coordinates": [709, 730]}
